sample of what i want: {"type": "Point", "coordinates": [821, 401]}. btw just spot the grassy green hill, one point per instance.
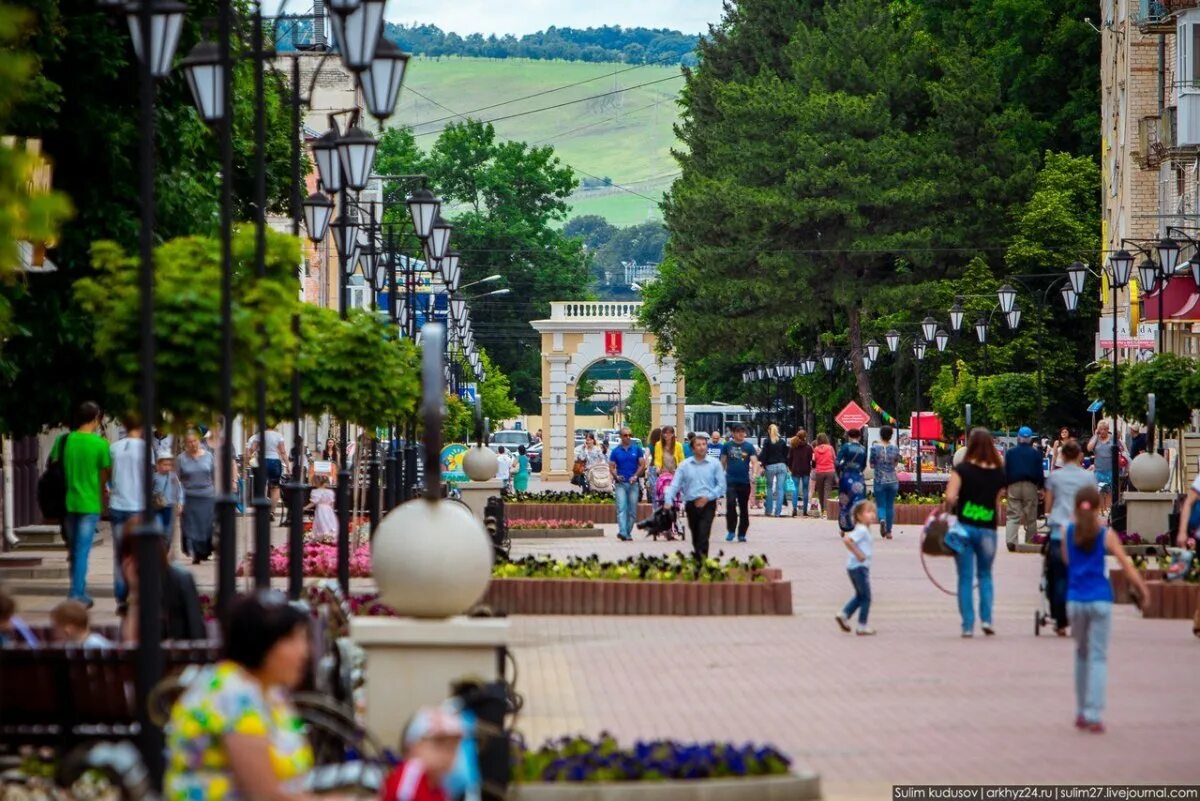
{"type": "Point", "coordinates": [625, 137]}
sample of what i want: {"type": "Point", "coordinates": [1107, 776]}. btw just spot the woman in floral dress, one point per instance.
{"type": "Point", "coordinates": [233, 734]}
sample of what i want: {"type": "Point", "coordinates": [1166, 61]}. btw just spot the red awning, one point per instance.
{"type": "Point", "coordinates": [1181, 301]}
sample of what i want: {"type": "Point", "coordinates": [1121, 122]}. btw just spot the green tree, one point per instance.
{"type": "Point", "coordinates": [83, 105]}
{"type": "Point", "coordinates": [505, 200]}
{"type": "Point", "coordinates": [950, 394]}
{"type": "Point", "coordinates": [637, 407]}
{"type": "Point", "coordinates": [1010, 399]}
{"type": "Point", "coordinates": [28, 212]}
{"type": "Point", "coordinates": [187, 322]}
{"type": "Point", "coordinates": [495, 392]}
{"type": "Point", "coordinates": [1167, 376]}
{"type": "Point", "coordinates": [831, 151]}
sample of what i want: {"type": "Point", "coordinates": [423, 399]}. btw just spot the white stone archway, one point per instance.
{"type": "Point", "coordinates": [579, 334]}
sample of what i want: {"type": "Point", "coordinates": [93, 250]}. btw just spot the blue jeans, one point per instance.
{"type": "Point", "coordinates": [975, 559]}
{"type": "Point", "coordinates": [166, 518]}
{"type": "Point", "coordinates": [777, 475]}
{"type": "Point", "coordinates": [1091, 624]}
{"type": "Point", "coordinates": [860, 577]}
{"type": "Point", "coordinates": [801, 491]}
{"type": "Point", "coordinates": [119, 519]}
{"type": "Point", "coordinates": [80, 531]}
{"type": "Point", "coordinates": [626, 493]}
{"type": "Point", "coordinates": [885, 499]}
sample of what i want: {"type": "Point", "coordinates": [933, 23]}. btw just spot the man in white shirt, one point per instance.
{"type": "Point", "coordinates": [127, 493]}
{"type": "Point", "coordinates": [272, 459]}
{"type": "Point", "coordinates": [503, 467]}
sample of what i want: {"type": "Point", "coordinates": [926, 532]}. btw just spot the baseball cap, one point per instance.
{"type": "Point", "coordinates": [433, 721]}
{"type": "Point", "coordinates": [1025, 432]}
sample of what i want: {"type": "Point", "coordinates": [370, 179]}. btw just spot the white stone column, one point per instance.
{"type": "Point", "coordinates": [668, 396]}
{"type": "Point", "coordinates": [556, 434]}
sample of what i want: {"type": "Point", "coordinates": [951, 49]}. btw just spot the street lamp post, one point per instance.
{"type": "Point", "coordinates": [919, 354]}
{"type": "Point", "coordinates": [1120, 264]}
{"type": "Point", "coordinates": [154, 27]}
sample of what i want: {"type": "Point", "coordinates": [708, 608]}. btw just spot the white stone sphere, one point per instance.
{"type": "Point", "coordinates": [480, 463]}
{"type": "Point", "coordinates": [1149, 472]}
{"type": "Point", "coordinates": [431, 559]}
{"type": "Point", "coordinates": [959, 455]}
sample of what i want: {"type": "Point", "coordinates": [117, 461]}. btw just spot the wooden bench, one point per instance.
{"type": "Point", "coordinates": [62, 695]}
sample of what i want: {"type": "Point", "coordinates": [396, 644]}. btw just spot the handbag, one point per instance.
{"type": "Point", "coordinates": [937, 536]}
{"type": "Point", "coordinates": [52, 483]}
{"type": "Point", "coordinates": [578, 468]}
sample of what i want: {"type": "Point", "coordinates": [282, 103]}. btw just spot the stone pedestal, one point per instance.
{"type": "Point", "coordinates": [412, 663]}
{"type": "Point", "coordinates": [1146, 513]}
{"type": "Point", "coordinates": [475, 495]}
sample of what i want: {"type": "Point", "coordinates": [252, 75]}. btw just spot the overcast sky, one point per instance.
{"type": "Point", "coordinates": [527, 16]}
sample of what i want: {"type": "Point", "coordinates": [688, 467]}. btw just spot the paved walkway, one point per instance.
{"type": "Point", "coordinates": [914, 704]}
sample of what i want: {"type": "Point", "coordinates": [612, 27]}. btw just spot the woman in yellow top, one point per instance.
{"type": "Point", "coordinates": [667, 456]}
{"type": "Point", "coordinates": [233, 734]}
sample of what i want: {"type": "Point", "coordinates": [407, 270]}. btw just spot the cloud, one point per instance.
{"type": "Point", "coordinates": [528, 16]}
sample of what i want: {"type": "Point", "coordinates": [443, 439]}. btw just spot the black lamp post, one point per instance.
{"type": "Point", "coordinates": [1120, 265]}
{"type": "Point", "coordinates": [918, 356]}
{"type": "Point", "coordinates": [1168, 260]}
{"type": "Point", "coordinates": [154, 26]}
{"type": "Point", "coordinates": [209, 70]}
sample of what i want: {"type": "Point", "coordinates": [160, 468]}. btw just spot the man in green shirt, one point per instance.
{"type": "Point", "coordinates": [86, 464]}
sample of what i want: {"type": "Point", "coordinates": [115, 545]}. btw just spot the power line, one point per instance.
{"type": "Point", "coordinates": [556, 106]}
{"type": "Point", "coordinates": [565, 134]}
{"type": "Point", "coordinates": [541, 93]}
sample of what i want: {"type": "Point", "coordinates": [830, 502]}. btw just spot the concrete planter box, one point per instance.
{"type": "Point", "coordinates": [907, 514]}
{"type": "Point", "coordinates": [792, 787]}
{"type": "Point", "coordinates": [1177, 600]}
{"type": "Point", "coordinates": [592, 512]}
{"type": "Point", "coordinates": [541, 596]}
{"type": "Point", "coordinates": [553, 533]}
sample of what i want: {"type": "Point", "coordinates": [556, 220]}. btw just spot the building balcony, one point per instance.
{"type": "Point", "coordinates": [1158, 16]}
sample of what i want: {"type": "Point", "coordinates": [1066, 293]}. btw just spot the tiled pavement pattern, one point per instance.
{"type": "Point", "coordinates": [914, 704]}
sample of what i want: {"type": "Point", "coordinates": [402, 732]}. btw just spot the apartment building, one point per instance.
{"type": "Point", "coordinates": [1150, 98]}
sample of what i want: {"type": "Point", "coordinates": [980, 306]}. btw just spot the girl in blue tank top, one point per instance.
{"type": "Point", "coordinates": [1089, 603]}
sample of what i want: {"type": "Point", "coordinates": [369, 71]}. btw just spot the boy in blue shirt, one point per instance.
{"type": "Point", "coordinates": [740, 460]}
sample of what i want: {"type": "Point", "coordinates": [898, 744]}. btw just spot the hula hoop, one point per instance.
{"type": "Point", "coordinates": [929, 575]}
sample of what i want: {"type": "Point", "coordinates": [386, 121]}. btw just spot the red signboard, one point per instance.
{"type": "Point", "coordinates": [612, 343]}
{"type": "Point", "coordinates": [852, 416]}
{"type": "Point", "coordinates": [926, 426]}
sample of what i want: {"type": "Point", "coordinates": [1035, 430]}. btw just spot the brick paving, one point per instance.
{"type": "Point", "coordinates": [914, 704]}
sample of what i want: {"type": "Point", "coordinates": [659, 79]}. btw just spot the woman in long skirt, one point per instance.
{"type": "Point", "coordinates": [197, 474]}
{"type": "Point", "coordinates": [852, 487]}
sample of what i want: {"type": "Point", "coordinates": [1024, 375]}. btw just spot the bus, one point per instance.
{"type": "Point", "coordinates": [710, 417]}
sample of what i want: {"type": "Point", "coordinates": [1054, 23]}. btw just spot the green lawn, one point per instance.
{"type": "Point", "coordinates": [624, 137]}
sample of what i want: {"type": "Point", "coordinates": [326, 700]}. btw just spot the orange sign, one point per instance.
{"type": "Point", "coordinates": [852, 416]}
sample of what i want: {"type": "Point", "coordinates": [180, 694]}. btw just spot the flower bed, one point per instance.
{"type": "Point", "coordinates": [577, 768]}
{"type": "Point", "coordinates": [590, 511]}
{"type": "Point", "coordinates": [552, 529]}
{"type": "Point", "coordinates": [1122, 588]}
{"type": "Point", "coordinates": [907, 514]}
{"type": "Point", "coordinates": [519, 524]}
{"type": "Point", "coordinates": [643, 567]}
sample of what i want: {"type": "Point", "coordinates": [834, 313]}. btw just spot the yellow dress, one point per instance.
{"type": "Point", "coordinates": [227, 700]}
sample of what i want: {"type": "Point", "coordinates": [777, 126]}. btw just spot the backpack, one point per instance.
{"type": "Point", "coordinates": [52, 483]}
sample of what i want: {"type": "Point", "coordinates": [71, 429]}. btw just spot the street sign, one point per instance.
{"type": "Point", "coordinates": [612, 343]}
{"type": "Point", "coordinates": [468, 394]}
{"type": "Point", "coordinates": [852, 416]}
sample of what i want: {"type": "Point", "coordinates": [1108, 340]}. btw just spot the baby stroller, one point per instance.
{"type": "Point", "coordinates": [677, 525]}
{"type": "Point", "coordinates": [1041, 615]}
{"type": "Point", "coordinates": [599, 478]}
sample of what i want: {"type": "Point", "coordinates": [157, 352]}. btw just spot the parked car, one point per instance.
{"type": "Point", "coordinates": [511, 439]}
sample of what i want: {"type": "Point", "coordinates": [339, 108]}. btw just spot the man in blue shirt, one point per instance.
{"type": "Point", "coordinates": [627, 462]}
{"type": "Point", "coordinates": [740, 460]}
{"type": "Point", "coordinates": [1026, 481]}
{"type": "Point", "coordinates": [701, 481]}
